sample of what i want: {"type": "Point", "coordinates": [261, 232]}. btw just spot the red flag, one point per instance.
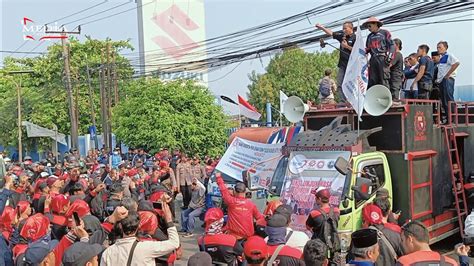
{"type": "Point", "coordinates": [247, 110]}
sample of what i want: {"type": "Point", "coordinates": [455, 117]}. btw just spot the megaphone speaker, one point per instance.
{"type": "Point", "coordinates": [378, 99]}
{"type": "Point", "coordinates": [294, 109]}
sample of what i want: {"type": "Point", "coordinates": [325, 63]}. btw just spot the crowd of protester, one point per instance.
{"type": "Point", "coordinates": [111, 208]}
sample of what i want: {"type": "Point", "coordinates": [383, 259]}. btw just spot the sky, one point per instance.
{"type": "Point", "coordinates": [222, 17]}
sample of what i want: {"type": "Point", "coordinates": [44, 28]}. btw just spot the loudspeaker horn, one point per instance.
{"type": "Point", "coordinates": [378, 99]}
{"type": "Point", "coordinates": [294, 109]}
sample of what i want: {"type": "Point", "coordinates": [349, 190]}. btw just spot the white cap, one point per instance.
{"type": "Point", "coordinates": [44, 174]}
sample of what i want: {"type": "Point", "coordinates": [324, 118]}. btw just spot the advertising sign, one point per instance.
{"type": "Point", "coordinates": [171, 32]}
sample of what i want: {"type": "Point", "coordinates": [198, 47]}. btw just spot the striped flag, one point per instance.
{"type": "Point", "coordinates": [247, 110]}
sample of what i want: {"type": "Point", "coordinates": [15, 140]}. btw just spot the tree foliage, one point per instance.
{"type": "Point", "coordinates": [177, 114]}
{"type": "Point", "coordinates": [43, 92]}
{"type": "Point", "coordinates": [295, 72]}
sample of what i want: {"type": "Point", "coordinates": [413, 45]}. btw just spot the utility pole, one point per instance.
{"type": "Point", "coordinates": [115, 77]}
{"type": "Point", "coordinates": [91, 102]}
{"type": "Point", "coordinates": [18, 94]}
{"type": "Point", "coordinates": [109, 97]}
{"type": "Point", "coordinates": [67, 71]}
{"type": "Point", "coordinates": [103, 102]}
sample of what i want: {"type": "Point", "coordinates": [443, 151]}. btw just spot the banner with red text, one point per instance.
{"type": "Point", "coordinates": [306, 172]}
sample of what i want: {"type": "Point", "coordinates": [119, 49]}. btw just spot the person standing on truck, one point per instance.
{"type": "Point", "coordinates": [347, 39]}
{"type": "Point", "coordinates": [446, 74]}
{"type": "Point", "coordinates": [396, 69]}
{"type": "Point", "coordinates": [323, 221]}
{"type": "Point", "coordinates": [241, 211]}
{"type": "Point", "coordinates": [382, 51]}
{"type": "Point", "coordinates": [365, 247]}
{"type": "Point", "coordinates": [389, 242]}
{"type": "Point", "coordinates": [327, 88]}
{"type": "Point", "coordinates": [415, 241]}
{"type": "Point", "coordinates": [424, 77]}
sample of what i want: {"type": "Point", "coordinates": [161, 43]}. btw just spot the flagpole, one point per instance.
{"type": "Point", "coordinates": [240, 119]}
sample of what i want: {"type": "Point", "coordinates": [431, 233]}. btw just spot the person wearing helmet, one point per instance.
{"type": "Point", "coordinates": [223, 248]}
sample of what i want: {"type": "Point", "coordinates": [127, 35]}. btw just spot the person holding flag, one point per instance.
{"type": "Point", "coordinates": [355, 81]}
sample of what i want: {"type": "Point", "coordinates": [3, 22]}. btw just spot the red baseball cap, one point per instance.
{"type": "Point", "coordinates": [132, 172]}
{"type": "Point", "coordinates": [58, 202]}
{"type": "Point", "coordinates": [23, 204]}
{"type": "Point", "coordinates": [35, 227]}
{"type": "Point", "coordinates": [51, 180]}
{"type": "Point", "coordinates": [212, 215]}
{"type": "Point", "coordinates": [255, 248]}
{"type": "Point", "coordinates": [156, 197]}
{"type": "Point", "coordinates": [372, 214]}
{"type": "Point", "coordinates": [7, 217]}
{"type": "Point", "coordinates": [148, 222]}
{"type": "Point", "coordinates": [322, 193]}
{"type": "Point", "coordinates": [79, 206]}
{"type": "Point", "coordinates": [163, 163]}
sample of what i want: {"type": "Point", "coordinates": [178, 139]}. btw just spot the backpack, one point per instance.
{"type": "Point", "coordinates": [325, 87]}
{"type": "Point", "coordinates": [330, 236]}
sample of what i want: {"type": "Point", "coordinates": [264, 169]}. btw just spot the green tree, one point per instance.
{"type": "Point", "coordinates": [43, 92]}
{"type": "Point", "coordinates": [173, 114]}
{"type": "Point", "coordinates": [295, 72]}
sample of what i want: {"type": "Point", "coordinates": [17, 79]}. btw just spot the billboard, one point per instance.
{"type": "Point", "coordinates": [171, 32]}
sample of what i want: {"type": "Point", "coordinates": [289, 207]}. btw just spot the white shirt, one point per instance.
{"type": "Point", "coordinates": [145, 252]}
{"type": "Point", "coordinates": [446, 61]}
{"type": "Point", "coordinates": [297, 239]}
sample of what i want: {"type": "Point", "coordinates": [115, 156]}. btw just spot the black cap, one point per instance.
{"type": "Point", "coordinates": [116, 187]}
{"type": "Point", "coordinates": [277, 220]}
{"type": "Point", "coordinates": [382, 193]}
{"type": "Point", "coordinates": [80, 253]}
{"type": "Point", "coordinates": [364, 238]}
{"type": "Point", "coordinates": [240, 187]}
{"type": "Point", "coordinates": [38, 250]}
{"type": "Point", "coordinates": [285, 210]}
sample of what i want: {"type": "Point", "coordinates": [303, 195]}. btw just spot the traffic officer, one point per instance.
{"type": "Point", "coordinates": [365, 247]}
{"type": "Point", "coordinates": [184, 179]}
{"type": "Point", "coordinates": [198, 171]}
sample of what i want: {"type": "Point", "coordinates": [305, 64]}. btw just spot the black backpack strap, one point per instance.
{"type": "Point", "coordinates": [288, 236]}
{"type": "Point", "coordinates": [132, 250]}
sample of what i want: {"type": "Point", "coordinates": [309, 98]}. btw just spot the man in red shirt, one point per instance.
{"type": "Point", "coordinates": [241, 211]}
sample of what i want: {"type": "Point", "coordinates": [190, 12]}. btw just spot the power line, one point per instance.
{"type": "Point", "coordinates": [20, 52]}
{"type": "Point", "coordinates": [98, 13]}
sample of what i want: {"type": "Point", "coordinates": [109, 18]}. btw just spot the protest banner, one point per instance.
{"type": "Point", "coordinates": [307, 171]}
{"type": "Point", "coordinates": [258, 159]}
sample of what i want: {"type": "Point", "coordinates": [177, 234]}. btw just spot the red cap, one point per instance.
{"type": "Point", "coordinates": [23, 205]}
{"type": "Point", "coordinates": [322, 193]}
{"type": "Point", "coordinates": [155, 197]}
{"type": "Point", "coordinates": [212, 215]}
{"type": "Point", "coordinates": [51, 180]}
{"type": "Point", "coordinates": [79, 206]}
{"type": "Point", "coordinates": [271, 207]}
{"type": "Point", "coordinates": [372, 214]}
{"type": "Point", "coordinates": [132, 172]}
{"type": "Point", "coordinates": [255, 248]}
{"type": "Point", "coordinates": [58, 202]}
{"type": "Point", "coordinates": [163, 163]}
{"type": "Point", "coordinates": [35, 227]}
{"type": "Point", "coordinates": [148, 222]}
{"type": "Point", "coordinates": [7, 218]}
